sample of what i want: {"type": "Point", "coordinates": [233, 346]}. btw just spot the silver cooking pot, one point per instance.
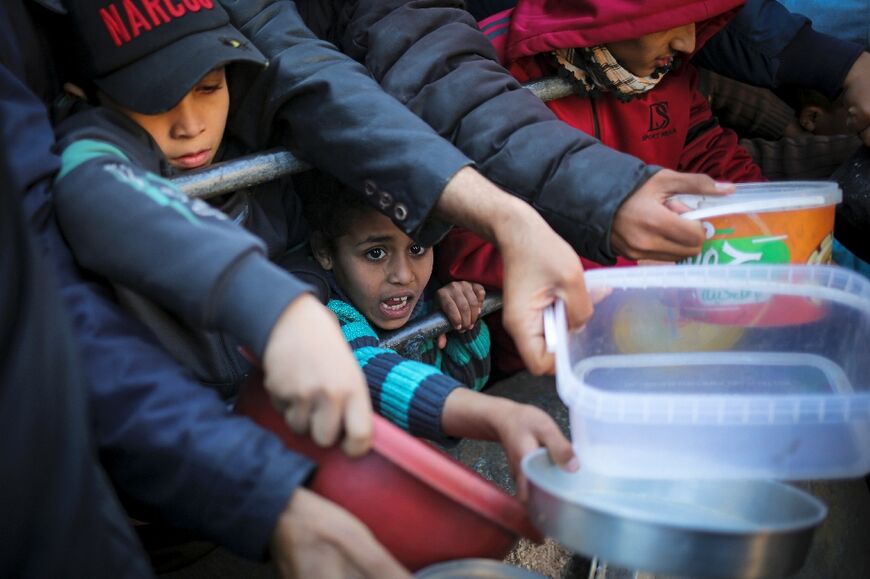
{"type": "Point", "coordinates": [736, 529]}
{"type": "Point", "coordinates": [475, 569]}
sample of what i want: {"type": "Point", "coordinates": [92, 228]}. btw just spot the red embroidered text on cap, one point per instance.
{"type": "Point", "coordinates": [128, 21]}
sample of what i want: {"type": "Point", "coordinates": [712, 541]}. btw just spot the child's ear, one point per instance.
{"type": "Point", "coordinates": [809, 116]}
{"type": "Point", "coordinates": [321, 251]}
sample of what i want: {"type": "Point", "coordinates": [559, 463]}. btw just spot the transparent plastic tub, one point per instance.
{"type": "Point", "coordinates": [720, 372]}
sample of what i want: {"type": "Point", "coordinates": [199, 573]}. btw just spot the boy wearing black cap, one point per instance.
{"type": "Point", "coordinates": [144, 127]}
{"type": "Point", "coordinates": [161, 75]}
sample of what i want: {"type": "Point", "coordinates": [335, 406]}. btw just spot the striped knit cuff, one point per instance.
{"type": "Point", "coordinates": [411, 395]}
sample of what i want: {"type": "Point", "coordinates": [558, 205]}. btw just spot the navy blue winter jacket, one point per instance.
{"type": "Point", "coordinates": [164, 440]}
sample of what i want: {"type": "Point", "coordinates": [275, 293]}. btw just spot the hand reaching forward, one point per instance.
{"type": "Point", "coordinates": [648, 226]}
{"type": "Point", "coordinates": [317, 538]}
{"type": "Point", "coordinates": [539, 266]}
{"type": "Point", "coordinates": [461, 302]}
{"type": "Point", "coordinates": [520, 428]}
{"type": "Point", "coordinates": [314, 380]}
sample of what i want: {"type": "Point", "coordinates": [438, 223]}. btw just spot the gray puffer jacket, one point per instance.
{"type": "Point", "coordinates": [430, 55]}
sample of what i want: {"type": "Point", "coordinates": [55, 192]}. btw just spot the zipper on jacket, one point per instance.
{"type": "Point", "coordinates": [595, 119]}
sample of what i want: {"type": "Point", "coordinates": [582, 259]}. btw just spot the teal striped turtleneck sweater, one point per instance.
{"type": "Point", "coordinates": [411, 393]}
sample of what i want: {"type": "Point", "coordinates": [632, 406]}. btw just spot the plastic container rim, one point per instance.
{"type": "Point", "coordinates": [763, 198]}
{"type": "Point", "coordinates": [810, 521]}
{"type": "Point", "coordinates": [855, 292]}
{"type": "Point", "coordinates": [729, 409]}
{"type": "Point", "coordinates": [792, 280]}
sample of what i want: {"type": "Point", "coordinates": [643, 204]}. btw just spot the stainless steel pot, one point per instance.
{"type": "Point", "coordinates": [739, 529]}
{"type": "Point", "coordinates": [475, 569]}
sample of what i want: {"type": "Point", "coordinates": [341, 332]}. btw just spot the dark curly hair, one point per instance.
{"type": "Point", "coordinates": [331, 206]}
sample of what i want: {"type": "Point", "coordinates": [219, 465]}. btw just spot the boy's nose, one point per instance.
{"type": "Point", "coordinates": [187, 122]}
{"type": "Point", "coordinates": [401, 272]}
{"type": "Point", "coordinates": [684, 39]}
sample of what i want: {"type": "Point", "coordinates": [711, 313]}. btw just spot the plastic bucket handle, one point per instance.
{"type": "Point", "coordinates": [555, 336]}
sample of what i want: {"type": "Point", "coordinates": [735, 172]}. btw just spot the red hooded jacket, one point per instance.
{"type": "Point", "coordinates": [671, 125]}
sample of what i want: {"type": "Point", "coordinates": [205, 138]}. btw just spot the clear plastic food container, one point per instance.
{"type": "Point", "coordinates": [720, 372]}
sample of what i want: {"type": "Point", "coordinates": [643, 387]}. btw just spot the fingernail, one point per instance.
{"type": "Point", "coordinates": [572, 465]}
{"type": "Point", "coordinates": [723, 186]}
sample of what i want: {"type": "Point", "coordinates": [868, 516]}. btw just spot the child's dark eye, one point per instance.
{"type": "Point", "coordinates": [375, 254]}
{"type": "Point", "coordinates": [417, 249]}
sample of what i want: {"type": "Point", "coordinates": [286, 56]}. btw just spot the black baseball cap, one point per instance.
{"type": "Point", "coordinates": [146, 55]}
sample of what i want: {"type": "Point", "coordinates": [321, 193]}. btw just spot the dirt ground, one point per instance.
{"type": "Point", "coordinates": [548, 559]}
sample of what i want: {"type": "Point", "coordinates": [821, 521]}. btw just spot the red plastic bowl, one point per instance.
{"type": "Point", "coordinates": [422, 505]}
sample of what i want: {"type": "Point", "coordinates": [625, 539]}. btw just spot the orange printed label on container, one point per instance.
{"type": "Point", "coordinates": [793, 236]}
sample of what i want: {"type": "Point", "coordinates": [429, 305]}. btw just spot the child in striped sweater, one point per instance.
{"type": "Point", "coordinates": [379, 280]}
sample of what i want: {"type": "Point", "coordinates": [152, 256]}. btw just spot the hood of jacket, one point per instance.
{"type": "Point", "coordinates": [540, 26]}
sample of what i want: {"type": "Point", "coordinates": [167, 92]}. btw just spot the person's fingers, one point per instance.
{"type": "Point", "coordinates": [474, 305]}
{"type": "Point", "coordinates": [667, 234]}
{"type": "Point", "coordinates": [677, 206]}
{"type": "Point", "coordinates": [686, 235]}
{"type": "Point", "coordinates": [693, 183]}
{"type": "Point", "coordinates": [471, 296]}
{"type": "Point", "coordinates": [464, 309]}
{"type": "Point", "coordinates": [317, 538]}
{"type": "Point", "coordinates": [442, 341]}
{"type": "Point", "coordinates": [298, 415]}
{"type": "Point", "coordinates": [326, 421]}
{"type": "Point", "coordinates": [480, 291]}
{"type": "Point", "coordinates": [530, 343]}
{"type": "Point", "coordinates": [368, 556]}
{"type": "Point", "coordinates": [578, 304]}
{"type": "Point", "coordinates": [451, 310]}
{"type": "Point", "coordinates": [523, 446]}
{"type": "Point", "coordinates": [358, 425]}
{"type": "Point", "coordinates": [558, 446]}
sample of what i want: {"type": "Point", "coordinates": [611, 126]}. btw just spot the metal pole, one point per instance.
{"type": "Point", "coordinates": [431, 326]}
{"type": "Point", "coordinates": [550, 89]}
{"type": "Point", "coordinates": [240, 173]}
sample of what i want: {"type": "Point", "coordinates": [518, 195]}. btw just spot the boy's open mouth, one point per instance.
{"type": "Point", "coordinates": [396, 307]}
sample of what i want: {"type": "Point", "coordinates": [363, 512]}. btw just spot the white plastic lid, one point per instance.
{"type": "Point", "coordinates": [763, 197]}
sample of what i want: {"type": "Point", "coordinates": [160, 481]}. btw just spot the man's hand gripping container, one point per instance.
{"type": "Point", "coordinates": [712, 372]}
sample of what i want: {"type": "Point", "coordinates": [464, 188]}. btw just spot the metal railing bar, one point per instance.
{"type": "Point", "coordinates": [240, 173]}
{"type": "Point", "coordinates": [551, 88]}
{"type": "Point", "coordinates": [263, 167]}
{"type": "Point", "coordinates": [432, 325]}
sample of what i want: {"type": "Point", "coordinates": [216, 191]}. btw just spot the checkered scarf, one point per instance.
{"type": "Point", "coordinates": [595, 70]}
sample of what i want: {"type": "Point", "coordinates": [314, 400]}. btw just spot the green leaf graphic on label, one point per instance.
{"type": "Point", "coordinates": [743, 250]}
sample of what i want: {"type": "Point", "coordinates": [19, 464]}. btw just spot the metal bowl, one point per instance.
{"type": "Point", "coordinates": [700, 528]}
{"type": "Point", "coordinates": [476, 569]}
